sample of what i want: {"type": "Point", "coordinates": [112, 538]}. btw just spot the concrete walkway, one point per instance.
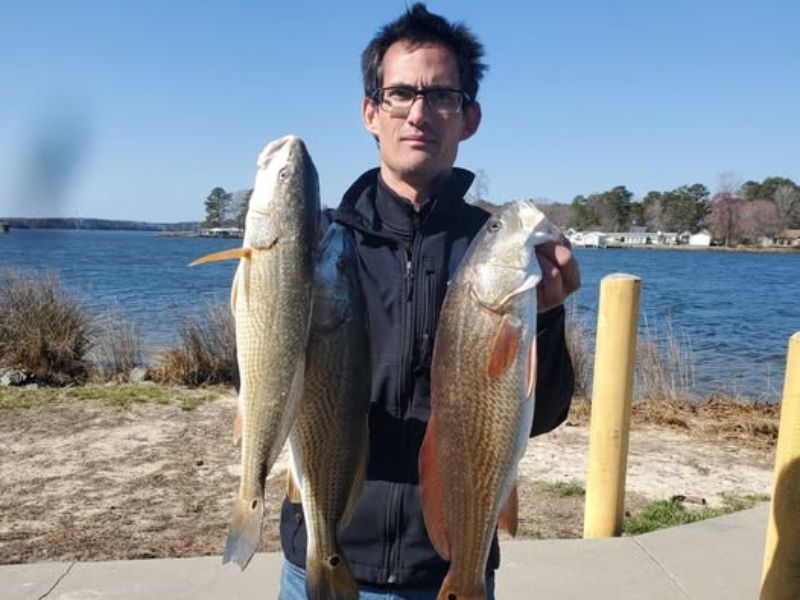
{"type": "Point", "coordinates": [717, 559]}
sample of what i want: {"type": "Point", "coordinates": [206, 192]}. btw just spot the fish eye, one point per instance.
{"type": "Point", "coordinates": [495, 225]}
{"type": "Point", "coordinates": [283, 173]}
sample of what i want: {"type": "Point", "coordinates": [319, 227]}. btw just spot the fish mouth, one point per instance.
{"type": "Point", "coordinates": [274, 148]}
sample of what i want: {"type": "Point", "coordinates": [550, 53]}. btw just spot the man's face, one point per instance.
{"type": "Point", "coordinates": [418, 148]}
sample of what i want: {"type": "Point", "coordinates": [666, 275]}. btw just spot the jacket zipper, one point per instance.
{"type": "Point", "coordinates": [404, 389]}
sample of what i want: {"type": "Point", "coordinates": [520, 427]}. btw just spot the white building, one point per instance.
{"type": "Point", "coordinates": [701, 238]}
{"type": "Point", "coordinates": [587, 239]}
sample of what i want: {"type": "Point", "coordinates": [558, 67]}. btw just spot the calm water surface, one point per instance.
{"type": "Point", "coordinates": [735, 309]}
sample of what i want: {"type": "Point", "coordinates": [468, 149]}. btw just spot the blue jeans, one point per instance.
{"type": "Point", "coordinates": [293, 587]}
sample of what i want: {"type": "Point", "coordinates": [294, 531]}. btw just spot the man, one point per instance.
{"type": "Point", "coordinates": [411, 227]}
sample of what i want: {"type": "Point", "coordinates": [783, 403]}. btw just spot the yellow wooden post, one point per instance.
{"type": "Point", "coordinates": [612, 394]}
{"type": "Point", "coordinates": [781, 575]}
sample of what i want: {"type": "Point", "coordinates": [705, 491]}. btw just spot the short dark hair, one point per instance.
{"type": "Point", "coordinates": [418, 26]}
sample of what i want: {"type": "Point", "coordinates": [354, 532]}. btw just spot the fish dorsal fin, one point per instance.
{"type": "Point", "coordinates": [505, 345]}
{"type": "Point", "coordinates": [432, 497]}
{"type": "Point", "coordinates": [237, 420]}
{"type": "Point", "coordinates": [231, 254]}
{"type": "Point", "coordinates": [509, 516]}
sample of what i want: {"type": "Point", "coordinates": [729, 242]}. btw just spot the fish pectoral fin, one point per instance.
{"type": "Point", "coordinates": [233, 253]}
{"type": "Point", "coordinates": [359, 476]}
{"type": "Point", "coordinates": [505, 345]}
{"type": "Point", "coordinates": [530, 375]}
{"type": "Point", "coordinates": [509, 516]}
{"type": "Point", "coordinates": [432, 497]}
{"type": "Point", "coordinates": [292, 488]}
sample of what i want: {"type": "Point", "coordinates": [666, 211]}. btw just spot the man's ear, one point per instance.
{"type": "Point", "coordinates": [369, 114]}
{"type": "Point", "coordinates": [472, 119]}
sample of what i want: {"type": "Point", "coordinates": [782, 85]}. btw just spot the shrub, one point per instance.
{"type": "Point", "coordinates": [206, 354]}
{"type": "Point", "coordinates": [119, 347]}
{"type": "Point", "coordinates": [44, 330]}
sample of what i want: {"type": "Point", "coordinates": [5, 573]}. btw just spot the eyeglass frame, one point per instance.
{"type": "Point", "coordinates": [377, 97]}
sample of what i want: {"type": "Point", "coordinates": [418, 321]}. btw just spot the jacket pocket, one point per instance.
{"type": "Point", "coordinates": [426, 313]}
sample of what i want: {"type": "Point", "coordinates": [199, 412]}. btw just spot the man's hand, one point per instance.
{"type": "Point", "coordinates": [560, 274]}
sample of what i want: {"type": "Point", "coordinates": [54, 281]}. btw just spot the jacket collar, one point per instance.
{"type": "Point", "coordinates": [372, 207]}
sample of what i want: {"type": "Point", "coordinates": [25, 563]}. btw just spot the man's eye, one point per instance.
{"type": "Point", "coordinates": [439, 96]}
{"type": "Point", "coordinates": [400, 95]}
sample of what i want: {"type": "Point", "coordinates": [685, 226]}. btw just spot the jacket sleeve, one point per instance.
{"type": "Point", "coordinates": [555, 381]}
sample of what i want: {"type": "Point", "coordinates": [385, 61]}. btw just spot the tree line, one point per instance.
{"type": "Point", "coordinates": [226, 209]}
{"type": "Point", "coordinates": [733, 215]}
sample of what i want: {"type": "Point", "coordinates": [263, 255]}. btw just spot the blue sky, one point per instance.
{"type": "Point", "coordinates": [135, 110]}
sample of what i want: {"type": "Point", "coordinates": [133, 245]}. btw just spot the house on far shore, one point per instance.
{"type": "Point", "coordinates": [637, 236]}
{"type": "Point", "coordinates": [666, 238]}
{"type": "Point", "coordinates": [587, 239]}
{"type": "Point", "coordinates": [5, 227]}
{"type": "Point", "coordinates": [788, 238]}
{"type": "Point", "coordinates": [222, 232]}
{"type": "Point", "coordinates": [701, 238]}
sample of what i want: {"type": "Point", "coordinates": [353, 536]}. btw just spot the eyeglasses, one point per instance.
{"type": "Point", "coordinates": [397, 100]}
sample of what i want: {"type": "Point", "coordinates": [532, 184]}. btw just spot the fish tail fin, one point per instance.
{"type": "Point", "coordinates": [431, 487]}
{"type": "Point", "coordinates": [244, 531]}
{"type": "Point", "coordinates": [509, 516]}
{"type": "Point", "coordinates": [330, 578]}
{"type": "Point", "coordinates": [449, 590]}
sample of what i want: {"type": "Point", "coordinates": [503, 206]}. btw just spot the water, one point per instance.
{"type": "Point", "coordinates": [735, 309]}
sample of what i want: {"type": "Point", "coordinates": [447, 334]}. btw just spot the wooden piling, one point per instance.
{"type": "Point", "coordinates": [781, 573]}
{"type": "Point", "coordinates": [612, 394]}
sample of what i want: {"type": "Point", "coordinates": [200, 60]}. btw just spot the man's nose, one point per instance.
{"type": "Point", "coordinates": [418, 110]}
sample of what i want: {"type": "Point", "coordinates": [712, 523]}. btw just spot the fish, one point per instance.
{"type": "Point", "coordinates": [483, 377]}
{"type": "Point", "coordinates": [329, 442]}
{"type": "Point", "coordinates": [271, 301]}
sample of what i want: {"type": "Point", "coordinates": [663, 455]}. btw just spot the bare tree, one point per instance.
{"type": "Point", "coordinates": [787, 201]}
{"type": "Point", "coordinates": [729, 182]}
{"type": "Point", "coordinates": [758, 219]}
{"type": "Point", "coordinates": [479, 190]}
{"type": "Point", "coordinates": [724, 218]}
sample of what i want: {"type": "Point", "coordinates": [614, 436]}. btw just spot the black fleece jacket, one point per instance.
{"type": "Point", "coordinates": [406, 259]}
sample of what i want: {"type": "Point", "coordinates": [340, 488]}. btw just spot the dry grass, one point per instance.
{"type": "Point", "coordinates": [752, 424]}
{"type": "Point", "coordinates": [579, 337]}
{"type": "Point", "coordinates": [44, 330]}
{"type": "Point", "coordinates": [206, 354]}
{"type": "Point", "coordinates": [118, 349]}
{"type": "Point", "coordinates": [664, 365]}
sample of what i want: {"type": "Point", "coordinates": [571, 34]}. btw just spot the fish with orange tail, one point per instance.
{"type": "Point", "coordinates": [483, 377]}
